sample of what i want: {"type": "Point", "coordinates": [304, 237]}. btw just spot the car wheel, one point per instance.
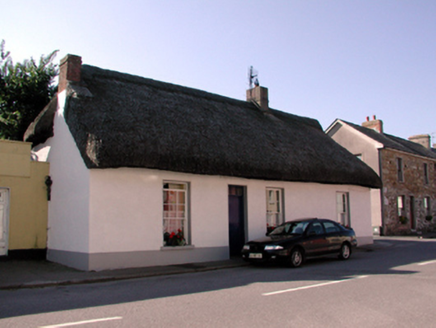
{"type": "Point", "coordinates": [345, 252]}
{"type": "Point", "coordinates": [296, 258]}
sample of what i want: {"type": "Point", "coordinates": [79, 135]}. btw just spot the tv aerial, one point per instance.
{"type": "Point", "coordinates": [252, 77]}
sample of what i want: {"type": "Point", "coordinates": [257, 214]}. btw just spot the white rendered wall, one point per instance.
{"type": "Point", "coordinates": [376, 210]}
{"type": "Point", "coordinates": [68, 213]}
{"type": "Point", "coordinates": [126, 208]}
{"type": "Point", "coordinates": [358, 143]}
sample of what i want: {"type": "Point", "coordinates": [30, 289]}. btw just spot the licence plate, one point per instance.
{"type": "Point", "coordinates": [255, 255]}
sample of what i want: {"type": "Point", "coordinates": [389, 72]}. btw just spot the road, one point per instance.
{"type": "Point", "coordinates": [389, 287]}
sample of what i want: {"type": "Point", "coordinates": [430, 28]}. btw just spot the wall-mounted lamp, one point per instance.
{"type": "Point", "coordinates": [48, 183]}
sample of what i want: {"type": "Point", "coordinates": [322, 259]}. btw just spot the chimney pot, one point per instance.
{"type": "Point", "coordinates": [69, 71]}
{"type": "Point", "coordinates": [375, 124]}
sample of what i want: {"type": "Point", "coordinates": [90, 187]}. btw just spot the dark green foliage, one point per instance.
{"type": "Point", "coordinates": [25, 89]}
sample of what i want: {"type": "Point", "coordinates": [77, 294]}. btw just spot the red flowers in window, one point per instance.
{"type": "Point", "coordinates": [174, 239]}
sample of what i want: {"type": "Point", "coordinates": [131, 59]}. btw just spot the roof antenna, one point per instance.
{"type": "Point", "coordinates": [252, 77]}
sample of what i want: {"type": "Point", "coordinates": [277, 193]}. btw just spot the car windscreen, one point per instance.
{"type": "Point", "coordinates": [290, 228]}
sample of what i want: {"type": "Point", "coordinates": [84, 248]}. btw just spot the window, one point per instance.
{"type": "Point", "coordinates": [427, 207]}
{"type": "Point", "coordinates": [175, 214]}
{"type": "Point", "coordinates": [316, 229]}
{"type": "Point", "coordinates": [400, 205]}
{"type": "Point", "coordinates": [274, 208]}
{"type": "Point", "coordinates": [400, 169]}
{"type": "Point", "coordinates": [426, 173]}
{"type": "Point", "coordinates": [342, 208]}
{"type": "Point", "coordinates": [331, 227]}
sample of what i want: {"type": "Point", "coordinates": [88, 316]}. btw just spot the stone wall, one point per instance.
{"type": "Point", "coordinates": [413, 188]}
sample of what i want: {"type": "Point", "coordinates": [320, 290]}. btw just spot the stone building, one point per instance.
{"type": "Point", "coordinates": [406, 203]}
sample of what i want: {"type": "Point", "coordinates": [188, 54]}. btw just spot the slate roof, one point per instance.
{"type": "Point", "coordinates": [121, 120]}
{"type": "Point", "coordinates": [393, 142]}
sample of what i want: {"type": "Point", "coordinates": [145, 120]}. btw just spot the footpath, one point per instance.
{"type": "Point", "coordinates": [16, 274]}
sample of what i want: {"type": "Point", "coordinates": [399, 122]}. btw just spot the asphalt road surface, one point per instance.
{"type": "Point", "coordinates": [389, 287]}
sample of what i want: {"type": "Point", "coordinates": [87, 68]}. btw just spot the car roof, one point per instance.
{"type": "Point", "coordinates": [309, 219]}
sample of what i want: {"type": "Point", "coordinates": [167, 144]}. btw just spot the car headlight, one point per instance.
{"type": "Point", "coordinates": [273, 247]}
{"type": "Point", "coordinates": [246, 247]}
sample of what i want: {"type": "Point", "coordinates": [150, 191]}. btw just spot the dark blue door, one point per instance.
{"type": "Point", "coordinates": [236, 220]}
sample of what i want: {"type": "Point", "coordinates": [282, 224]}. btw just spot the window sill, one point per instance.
{"type": "Point", "coordinates": [177, 248]}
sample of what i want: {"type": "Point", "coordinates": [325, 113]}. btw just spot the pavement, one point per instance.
{"type": "Point", "coordinates": [16, 274]}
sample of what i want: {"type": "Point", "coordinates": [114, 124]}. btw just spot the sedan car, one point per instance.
{"type": "Point", "coordinates": [294, 241]}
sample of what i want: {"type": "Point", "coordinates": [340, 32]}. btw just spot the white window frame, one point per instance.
{"type": "Point", "coordinates": [401, 205]}
{"type": "Point", "coordinates": [343, 208]}
{"type": "Point", "coordinates": [427, 206]}
{"type": "Point", "coordinates": [175, 213]}
{"type": "Point", "coordinates": [274, 208]}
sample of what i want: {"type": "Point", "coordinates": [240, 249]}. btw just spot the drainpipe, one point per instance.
{"type": "Point", "coordinates": [382, 205]}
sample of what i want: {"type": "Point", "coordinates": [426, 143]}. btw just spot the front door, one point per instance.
{"type": "Point", "coordinates": [412, 213]}
{"type": "Point", "coordinates": [236, 220]}
{"type": "Point", "coordinates": [4, 221]}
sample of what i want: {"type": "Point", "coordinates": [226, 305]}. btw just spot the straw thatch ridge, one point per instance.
{"type": "Point", "coordinates": [393, 142]}
{"type": "Point", "coordinates": [120, 120]}
{"type": "Point", "coordinates": [42, 127]}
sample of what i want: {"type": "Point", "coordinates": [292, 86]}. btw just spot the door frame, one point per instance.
{"type": "Point", "coordinates": [4, 221]}
{"type": "Point", "coordinates": [244, 214]}
{"type": "Point", "coordinates": [412, 213]}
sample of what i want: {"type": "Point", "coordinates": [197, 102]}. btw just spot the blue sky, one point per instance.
{"type": "Point", "coordinates": [323, 59]}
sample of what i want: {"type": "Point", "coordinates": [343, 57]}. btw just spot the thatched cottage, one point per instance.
{"type": "Point", "coordinates": [150, 173]}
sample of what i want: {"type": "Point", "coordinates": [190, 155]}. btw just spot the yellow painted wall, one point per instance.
{"type": "Point", "coordinates": [28, 205]}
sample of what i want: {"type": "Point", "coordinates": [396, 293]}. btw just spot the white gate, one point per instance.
{"type": "Point", "coordinates": [4, 220]}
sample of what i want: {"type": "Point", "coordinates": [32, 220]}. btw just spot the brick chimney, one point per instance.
{"type": "Point", "coordinates": [422, 139]}
{"type": "Point", "coordinates": [259, 95]}
{"type": "Point", "coordinates": [374, 124]}
{"type": "Point", "coordinates": [69, 71]}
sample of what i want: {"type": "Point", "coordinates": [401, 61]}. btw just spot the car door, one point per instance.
{"type": "Point", "coordinates": [333, 236]}
{"type": "Point", "coordinates": [315, 242]}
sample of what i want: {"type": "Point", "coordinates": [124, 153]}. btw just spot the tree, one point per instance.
{"type": "Point", "coordinates": [25, 89]}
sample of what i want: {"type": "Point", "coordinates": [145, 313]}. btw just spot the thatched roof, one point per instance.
{"type": "Point", "coordinates": [42, 127]}
{"type": "Point", "coordinates": [393, 142]}
{"type": "Point", "coordinates": [120, 120]}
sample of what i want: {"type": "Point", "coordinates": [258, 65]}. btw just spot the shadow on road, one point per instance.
{"type": "Point", "coordinates": [399, 258]}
